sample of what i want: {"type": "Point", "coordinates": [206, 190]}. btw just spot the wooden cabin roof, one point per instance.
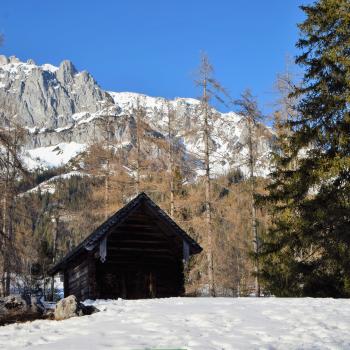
{"type": "Point", "coordinates": [117, 219]}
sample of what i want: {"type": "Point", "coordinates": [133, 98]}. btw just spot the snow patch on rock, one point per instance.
{"type": "Point", "coordinates": [52, 156]}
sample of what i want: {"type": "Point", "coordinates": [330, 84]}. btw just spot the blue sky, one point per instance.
{"type": "Point", "coordinates": [153, 46]}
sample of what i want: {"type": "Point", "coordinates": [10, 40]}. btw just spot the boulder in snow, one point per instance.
{"type": "Point", "coordinates": [15, 308]}
{"type": "Point", "coordinates": [71, 307]}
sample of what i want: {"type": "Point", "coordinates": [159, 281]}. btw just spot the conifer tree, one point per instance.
{"type": "Point", "coordinates": [306, 252]}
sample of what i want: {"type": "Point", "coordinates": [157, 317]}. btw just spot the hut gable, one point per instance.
{"type": "Point", "coordinates": [138, 252]}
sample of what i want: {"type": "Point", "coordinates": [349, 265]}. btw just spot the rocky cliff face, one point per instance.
{"type": "Point", "coordinates": [62, 110]}
{"type": "Point", "coordinates": [46, 99]}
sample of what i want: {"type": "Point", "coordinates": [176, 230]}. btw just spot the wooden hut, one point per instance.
{"type": "Point", "coordinates": [139, 252]}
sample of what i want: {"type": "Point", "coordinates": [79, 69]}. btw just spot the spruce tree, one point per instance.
{"type": "Point", "coordinates": [307, 250]}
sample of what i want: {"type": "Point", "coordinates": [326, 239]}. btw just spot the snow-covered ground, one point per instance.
{"type": "Point", "coordinates": [193, 323]}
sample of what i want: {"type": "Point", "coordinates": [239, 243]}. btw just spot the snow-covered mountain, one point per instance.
{"type": "Point", "coordinates": [61, 108]}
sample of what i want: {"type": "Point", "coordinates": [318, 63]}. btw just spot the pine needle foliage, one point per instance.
{"type": "Point", "coordinates": [306, 252]}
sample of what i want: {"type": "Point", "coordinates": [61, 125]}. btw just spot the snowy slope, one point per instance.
{"type": "Point", "coordinates": [52, 156]}
{"type": "Point", "coordinates": [193, 323]}
{"type": "Point", "coordinates": [228, 134]}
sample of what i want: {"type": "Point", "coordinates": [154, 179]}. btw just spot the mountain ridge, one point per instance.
{"type": "Point", "coordinates": [60, 106]}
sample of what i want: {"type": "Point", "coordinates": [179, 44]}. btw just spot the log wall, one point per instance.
{"type": "Point", "coordinates": [80, 278]}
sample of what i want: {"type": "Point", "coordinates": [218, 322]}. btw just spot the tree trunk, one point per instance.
{"type": "Point", "coordinates": [6, 227]}
{"type": "Point", "coordinates": [54, 245]}
{"type": "Point", "coordinates": [108, 149]}
{"type": "Point", "coordinates": [138, 150]}
{"type": "Point", "coordinates": [9, 248]}
{"type": "Point", "coordinates": [4, 241]}
{"type": "Point", "coordinates": [171, 164]}
{"type": "Point", "coordinates": [253, 206]}
{"type": "Point", "coordinates": [106, 190]}
{"type": "Point", "coordinates": [208, 193]}
{"type": "Point", "coordinates": [238, 275]}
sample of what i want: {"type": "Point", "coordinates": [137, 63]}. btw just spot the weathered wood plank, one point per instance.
{"type": "Point", "coordinates": [141, 249]}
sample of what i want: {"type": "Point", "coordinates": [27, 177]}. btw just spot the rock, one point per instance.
{"type": "Point", "coordinates": [71, 307]}
{"type": "Point", "coordinates": [49, 99]}
{"type": "Point", "coordinates": [3, 60]}
{"type": "Point", "coordinates": [14, 59]}
{"type": "Point", "coordinates": [49, 314]}
{"type": "Point", "coordinates": [66, 72]}
{"type": "Point", "coordinates": [67, 308]}
{"type": "Point", "coordinates": [15, 308]}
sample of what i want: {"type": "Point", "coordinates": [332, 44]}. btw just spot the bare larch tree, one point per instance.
{"type": "Point", "coordinates": [248, 108]}
{"type": "Point", "coordinates": [210, 89]}
{"type": "Point", "coordinates": [170, 124]}
{"type": "Point", "coordinates": [11, 140]}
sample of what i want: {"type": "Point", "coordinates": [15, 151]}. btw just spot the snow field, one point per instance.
{"type": "Point", "coordinates": [193, 323]}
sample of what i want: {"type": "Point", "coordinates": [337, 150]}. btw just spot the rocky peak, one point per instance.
{"type": "Point", "coordinates": [30, 61]}
{"type": "Point", "coordinates": [14, 59]}
{"type": "Point", "coordinates": [66, 72]}
{"type": "Point", "coordinates": [68, 66]}
{"type": "Point", "coordinates": [47, 97]}
{"type": "Point", "coordinates": [3, 60]}
{"type": "Point", "coordinates": [9, 60]}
